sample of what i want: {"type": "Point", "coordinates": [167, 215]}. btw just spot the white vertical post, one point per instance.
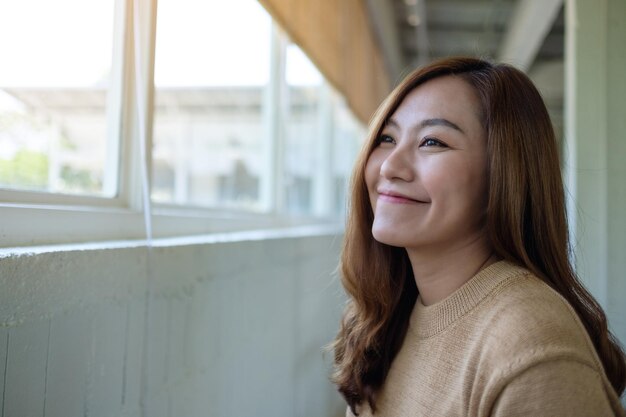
{"type": "Point", "coordinates": [569, 123]}
{"type": "Point", "coordinates": [114, 104]}
{"type": "Point", "coordinates": [322, 190]}
{"type": "Point", "coordinates": [616, 175]}
{"type": "Point", "coordinates": [131, 181]}
{"type": "Point", "coordinates": [595, 148]}
{"type": "Point", "coordinates": [54, 161]}
{"type": "Point", "coordinates": [182, 144]}
{"type": "Point", "coordinates": [586, 119]}
{"type": "Point", "coordinates": [271, 184]}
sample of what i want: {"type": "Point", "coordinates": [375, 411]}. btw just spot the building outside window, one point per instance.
{"type": "Point", "coordinates": [58, 130]}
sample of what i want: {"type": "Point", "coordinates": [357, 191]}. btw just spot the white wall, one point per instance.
{"type": "Point", "coordinates": [233, 326]}
{"type": "Point", "coordinates": [595, 134]}
{"type": "Point", "coordinates": [595, 139]}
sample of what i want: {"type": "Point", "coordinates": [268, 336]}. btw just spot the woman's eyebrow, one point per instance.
{"type": "Point", "coordinates": [437, 121]}
{"type": "Point", "coordinates": [440, 122]}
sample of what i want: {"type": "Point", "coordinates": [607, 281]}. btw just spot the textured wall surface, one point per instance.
{"type": "Point", "coordinates": [596, 148]}
{"type": "Point", "coordinates": [230, 327]}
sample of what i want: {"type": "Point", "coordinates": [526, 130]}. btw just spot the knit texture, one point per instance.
{"type": "Point", "coordinates": [504, 344]}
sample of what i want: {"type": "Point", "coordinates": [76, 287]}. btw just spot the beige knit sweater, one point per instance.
{"type": "Point", "coordinates": [504, 344]}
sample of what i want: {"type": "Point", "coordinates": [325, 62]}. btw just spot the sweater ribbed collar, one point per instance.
{"type": "Point", "coordinates": [427, 321]}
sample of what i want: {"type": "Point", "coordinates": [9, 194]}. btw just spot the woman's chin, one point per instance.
{"type": "Point", "coordinates": [387, 237]}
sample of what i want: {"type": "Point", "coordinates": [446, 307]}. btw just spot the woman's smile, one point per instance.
{"type": "Point", "coordinates": [389, 196]}
{"type": "Point", "coordinates": [427, 176]}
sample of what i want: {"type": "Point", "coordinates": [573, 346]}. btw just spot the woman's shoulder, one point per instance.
{"type": "Point", "coordinates": [535, 346]}
{"type": "Point", "coordinates": [526, 321]}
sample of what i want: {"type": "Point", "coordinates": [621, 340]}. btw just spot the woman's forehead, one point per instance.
{"type": "Point", "coordinates": [448, 101]}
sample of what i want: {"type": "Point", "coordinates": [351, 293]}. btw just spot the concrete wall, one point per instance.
{"type": "Point", "coordinates": [595, 133]}
{"type": "Point", "coordinates": [231, 325]}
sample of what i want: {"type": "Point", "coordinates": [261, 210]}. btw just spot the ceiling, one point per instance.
{"type": "Point", "coordinates": [526, 33]}
{"type": "Point", "coordinates": [515, 31]}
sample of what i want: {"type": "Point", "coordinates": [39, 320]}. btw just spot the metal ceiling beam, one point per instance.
{"type": "Point", "coordinates": [530, 24]}
{"type": "Point", "coordinates": [421, 33]}
{"type": "Point", "coordinates": [451, 41]}
{"type": "Point", "coordinates": [382, 17]}
{"type": "Point", "coordinates": [463, 14]}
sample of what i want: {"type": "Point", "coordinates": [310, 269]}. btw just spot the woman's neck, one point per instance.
{"type": "Point", "coordinates": [438, 273]}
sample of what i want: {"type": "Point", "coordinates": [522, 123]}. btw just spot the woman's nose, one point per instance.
{"type": "Point", "coordinates": [398, 164]}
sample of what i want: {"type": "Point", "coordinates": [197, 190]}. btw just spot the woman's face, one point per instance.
{"type": "Point", "coordinates": [427, 175]}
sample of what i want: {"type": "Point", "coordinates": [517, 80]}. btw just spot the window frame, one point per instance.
{"type": "Point", "coordinates": [42, 218]}
{"type": "Point", "coordinates": [116, 109]}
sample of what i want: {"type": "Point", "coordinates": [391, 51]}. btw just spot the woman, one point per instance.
{"type": "Point", "coordinates": [462, 297]}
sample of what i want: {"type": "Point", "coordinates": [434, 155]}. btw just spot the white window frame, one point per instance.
{"type": "Point", "coordinates": [41, 218]}
{"type": "Point", "coordinates": [34, 218]}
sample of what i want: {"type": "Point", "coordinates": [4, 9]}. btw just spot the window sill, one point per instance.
{"type": "Point", "coordinates": [30, 226]}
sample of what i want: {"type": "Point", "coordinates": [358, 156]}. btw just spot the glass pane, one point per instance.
{"type": "Point", "coordinates": [348, 139]}
{"type": "Point", "coordinates": [54, 81]}
{"type": "Point", "coordinates": [302, 131]}
{"type": "Point", "coordinates": [211, 73]}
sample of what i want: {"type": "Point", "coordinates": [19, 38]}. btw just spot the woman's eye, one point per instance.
{"type": "Point", "coordinates": [429, 142]}
{"type": "Point", "coordinates": [385, 139]}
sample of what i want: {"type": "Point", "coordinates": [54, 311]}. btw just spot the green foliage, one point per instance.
{"type": "Point", "coordinates": [27, 169]}
{"type": "Point", "coordinates": [79, 180]}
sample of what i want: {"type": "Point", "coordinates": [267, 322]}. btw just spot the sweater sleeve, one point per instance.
{"type": "Point", "coordinates": [558, 388]}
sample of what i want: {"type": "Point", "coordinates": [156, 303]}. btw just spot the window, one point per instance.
{"type": "Point", "coordinates": [306, 116]}
{"type": "Point", "coordinates": [322, 139]}
{"type": "Point", "coordinates": [348, 138]}
{"type": "Point", "coordinates": [211, 77]}
{"type": "Point", "coordinates": [243, 119]}
{"type": "Point", "coordinates": [245, 131]}
{"type": "Point", "coordinates": [58, 112]}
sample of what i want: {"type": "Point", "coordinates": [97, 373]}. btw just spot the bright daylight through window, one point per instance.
{"type": "Point", "coordinates": [242, 130]}
{"type": "Point", "coordinates": [211, 74]}
{"type": "Point", "coordinates": [58, 131]}
{"type": "Point", "coordinates": [243, 119]}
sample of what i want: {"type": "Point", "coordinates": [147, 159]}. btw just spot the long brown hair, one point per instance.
{"type": "Point", "coordinates": [526, 223]}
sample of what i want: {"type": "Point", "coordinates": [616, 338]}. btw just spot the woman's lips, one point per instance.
{"type": "Point", "coordinates": [397, 198]}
